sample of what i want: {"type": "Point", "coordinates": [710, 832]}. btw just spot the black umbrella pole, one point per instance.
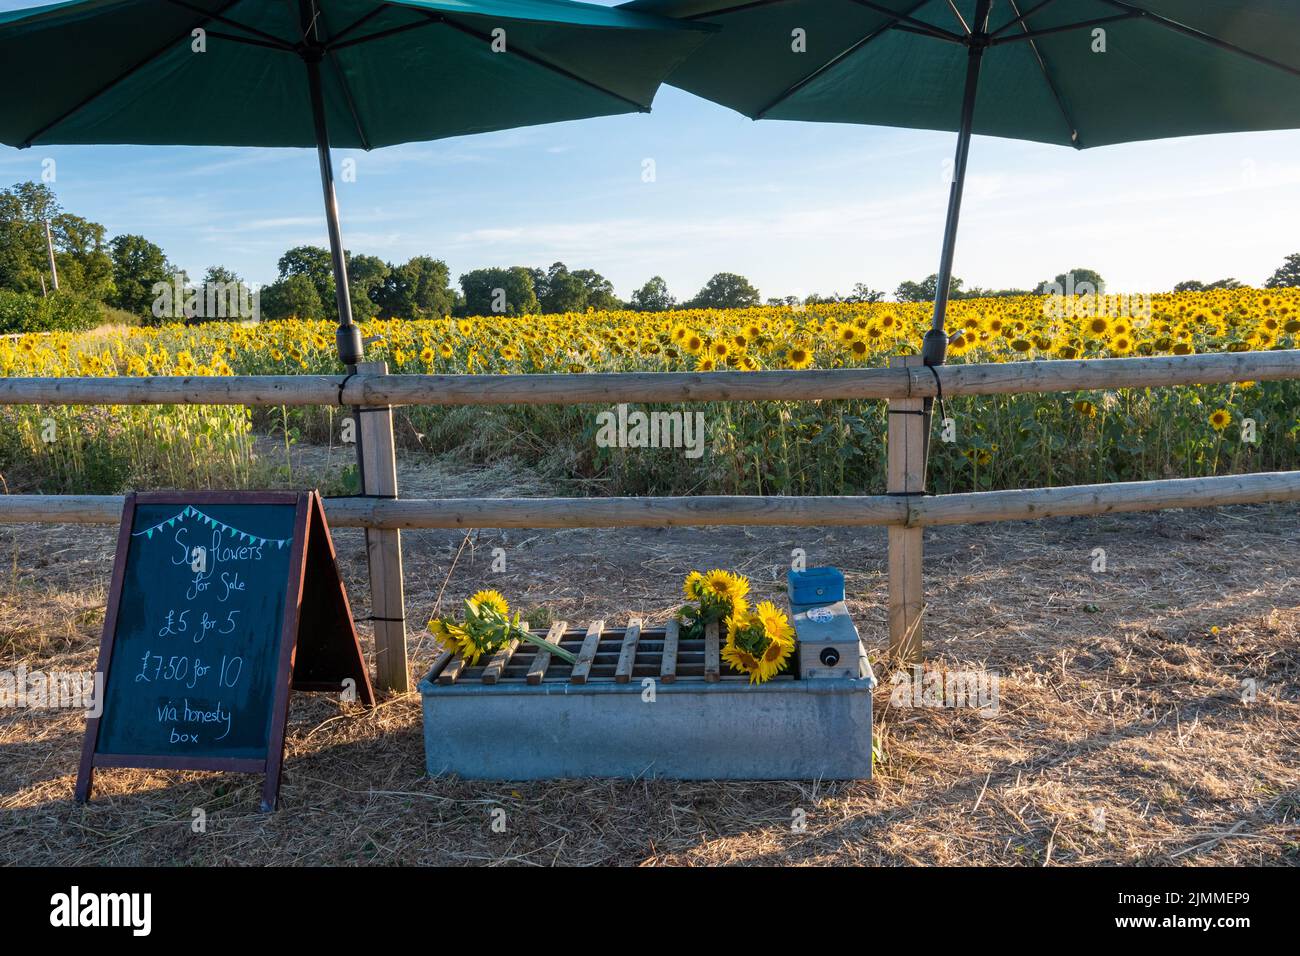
{"type": "Point", "coordinates": [348, 335]}
{"type": "Point", "coordinates": [934, 347]}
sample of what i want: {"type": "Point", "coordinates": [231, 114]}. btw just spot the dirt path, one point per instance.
{"type": "Point", "coordinates": [1121, 734]}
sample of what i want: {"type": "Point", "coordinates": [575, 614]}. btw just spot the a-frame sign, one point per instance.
{"type": "Point", "coordinates": [221, 603]}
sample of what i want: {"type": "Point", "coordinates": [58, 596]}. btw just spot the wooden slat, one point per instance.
{"type": "Point", "coordinates": [668, 665]}
{"type": "Point", "coordinates": [708, 511]}
{"type": "Point", "coordinates": [588, 653]}
{"type": "Point", "coordinates": [606, 388]}
{"type": "Point", "coordinates": [627, 657]}
{"type": "Point", "coordinates": [646, 387]}
{"type": "Point", "coordinates": [439, 663]}
{"type": "Point", "coordinates": [543, 658]}
{"type": "Point", "coordinates": [492, 673]}
{"type": "Point", "coordinates": [451, 673]}
{"type": "Point", "coordinates": [712, 652]}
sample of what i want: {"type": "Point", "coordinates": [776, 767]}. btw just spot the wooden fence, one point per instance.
{"type": "Point", "coordinates": [905, 508]}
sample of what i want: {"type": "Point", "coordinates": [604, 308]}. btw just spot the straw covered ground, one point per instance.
{"type": "Point", "coordinates": [1121, 734]}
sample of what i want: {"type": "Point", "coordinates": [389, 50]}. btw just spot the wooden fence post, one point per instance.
{"type": "Point", "coordinates": [384, 546]}
{"type": "Point", "coordinates": [906, 476]}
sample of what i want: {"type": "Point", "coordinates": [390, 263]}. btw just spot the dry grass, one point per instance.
{"type": "Point", "coordinates": [1117, 696]}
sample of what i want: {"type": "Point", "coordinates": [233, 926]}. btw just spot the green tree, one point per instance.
{"type": "Point", "coordinates": [138, 265]}
{"type": "Point", "coordinates": [81, 253]}
{"type": "Point", "coordinates": [864, 293]}
{"type": "Point", "coordinates": [315, 264]}
{"type": "Point", "coordinates": [1074, 282]}
{"type": "Point", "coordinates": [1287, 275]}
{"type": "Point", "coordinates": [499, 291]}
{"type": "Point", "coordinates": [924, 290]}
{"type": "Point", "coordinates": [653, 296]}
{"type": "Point", "coordinates": [726, 290]}
{"type": "Point", "coordinates": [419, 288]}
{"type": "Point", "coordinates": [600, 291]}
{"type": "Point", "coordinates": [366, 277]}
{"type": "Point", "coordinates": [559, 290]}
{"type": "Point", "coordinates": [24, 261]}
{"type": "Point", "coordinates": [1194, 285]}
{"type": "Point", "coordinates": [294, 296]}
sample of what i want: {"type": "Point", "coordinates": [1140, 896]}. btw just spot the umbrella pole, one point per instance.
{"type": "Point", "coordinates": [934, 347]}
{"type": "Point", "coordinates": [348, 335]}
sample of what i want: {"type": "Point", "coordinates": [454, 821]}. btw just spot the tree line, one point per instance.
{"type": "Point", "coordinates": [123, 273]}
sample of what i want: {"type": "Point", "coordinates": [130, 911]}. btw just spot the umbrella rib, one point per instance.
{"type": "Point", "coordinates": [366, 18]}
{"type": "Point", "coordinates": [1032, 35]}
{"type": "Point", "coordinates": [960, 19]}
{"type": "Point", "coordinates": [269, 38]}
{"type": "Point", "coordinates": [1202, 36]}
{"type": "Point", "coordinates": [131, 71]}
{"type": "Point", "coordinates": [347, 98]}
{"type": "Point", "coordinates": [1047, 74]}
{"type": "Point", "coordinates": [753, 4]}
{"type": "Point", "coordinates": [381, 34]}
{"type": "Point", "coordinates": [829, 65]}
{"type": "Point", "coordinates": [251, 41]}
{"type": "Point", "coordinates": [540, 61]}
{"type": "Point", "coordinates": [342, 77]}
{"type": "Point", "coordinates": [939, 33]}
{"type": "Point", "coordinates": [1021, 17]}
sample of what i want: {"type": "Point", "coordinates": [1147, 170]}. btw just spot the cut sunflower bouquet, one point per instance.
{"type": "Point", "coordinates": [488, 626]}
{"type": "Point", "coordinates": [759, 640]}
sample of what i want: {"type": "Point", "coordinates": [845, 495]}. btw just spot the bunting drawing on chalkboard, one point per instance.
{"type": "Point", "coordinates": [191, 512]}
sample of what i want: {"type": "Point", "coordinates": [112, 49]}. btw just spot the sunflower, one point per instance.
{"type": "Point", "coordinates": [1220, 419]}
{"type": "Point", "coordinates": [799, 357]}
{"type": "Point", "coordinates": [724, 584]}
{"type": "Point", "coordinates": [693, 587]}
{"type": "Point", "coordinates": [758, 642]}
{"type": "Point", "coordinates": [493, 599]}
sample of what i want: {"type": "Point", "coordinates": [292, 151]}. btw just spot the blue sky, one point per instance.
{"type": "Point", "coordinates": [796, 207]}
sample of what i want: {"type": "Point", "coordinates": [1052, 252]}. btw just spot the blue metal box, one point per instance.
{"type": "Point", "coordinates": [815, 586]}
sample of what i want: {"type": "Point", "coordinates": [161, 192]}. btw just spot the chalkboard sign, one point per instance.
{"type": "Point", "coordinates": [219, 604]}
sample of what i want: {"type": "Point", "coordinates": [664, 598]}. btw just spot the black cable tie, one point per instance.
{"type": "Point", "coordinates": [938, 387]}
{"type": "Point", "coordinates": [390, 620]}
{"type": "Point", "coordinates": [343, 384]}
{"type": "Point", "coordinates": [905, 411]}
{"type": "Point", "coordinates": [906, 494]}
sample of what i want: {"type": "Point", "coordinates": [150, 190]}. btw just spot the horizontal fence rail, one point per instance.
{"type": "Point", "coordinates": [719, 510]}
{"type": "Point", "coordinates": [610, 387]}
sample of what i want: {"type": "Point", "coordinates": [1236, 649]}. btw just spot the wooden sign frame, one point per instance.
{"type": "Point", "coordinates": [321, 660]}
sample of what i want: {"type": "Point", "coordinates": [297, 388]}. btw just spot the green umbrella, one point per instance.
{"type": "Point", "coordinates": [1076, 72]}
{"type": "Point", "coordinates": [355, 73]}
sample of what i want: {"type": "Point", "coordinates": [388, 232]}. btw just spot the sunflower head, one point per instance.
{"type": "Point", "coordinates": [725, 585]}
{"type": "Point", "coordinates": [492, 599]}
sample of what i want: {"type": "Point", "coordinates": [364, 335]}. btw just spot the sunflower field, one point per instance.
{"type": "Point", "coordinates": [828, 447]}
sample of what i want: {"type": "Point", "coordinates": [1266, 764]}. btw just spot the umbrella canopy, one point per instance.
{"type": "Point", "coordinates": [1075, 72]}
{"type": "Point", "coordinates": [355, 73]}
{"type": "Point", "coordinates": [126, 71]}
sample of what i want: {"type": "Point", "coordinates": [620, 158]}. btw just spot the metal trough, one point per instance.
{"type": "Point", "coordinates": [640, 704]}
